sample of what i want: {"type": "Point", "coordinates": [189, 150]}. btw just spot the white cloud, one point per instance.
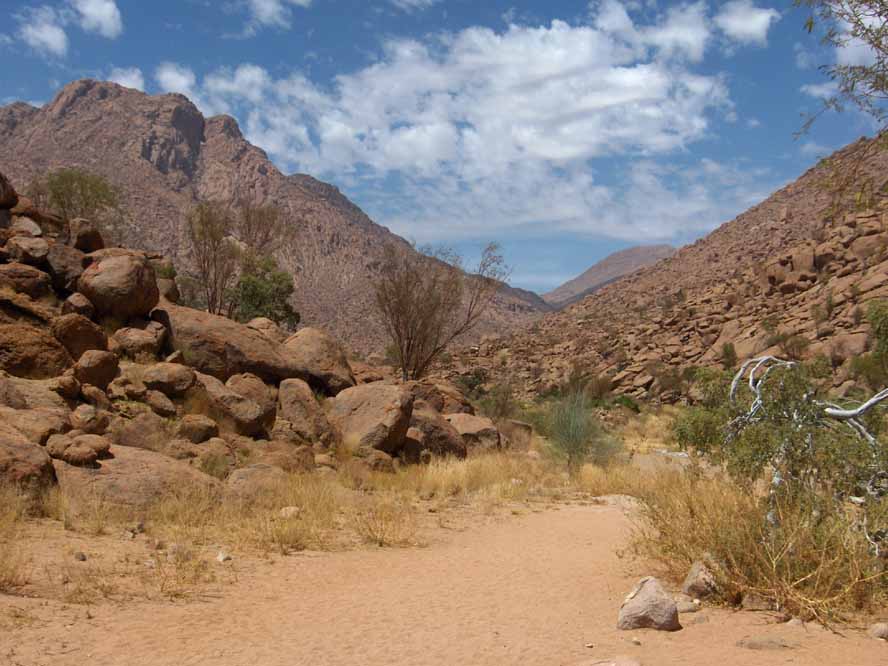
{"type": "Point", "coordinates": [753, 123]}
{"type": "Point", "coordinates": [413, 5]}
{"type": "Point", "coordinates": [101, 16]}
{"type": "Point", "coordinates": [483, 133]}
{"type": "Point", "coordinates": [175, 78]}
{"type": "Point", "coordinates": [684, 31]}
{"type": "Point", "coordinates": [743, 22]}
{"type": "Point", "coordinates": [821, 90]}
{"type": "Point", "coordinates": [131, 77]}
{"type": "Point", "coordinates": [41, 28]}
{"type": "Point", "coordinates": [272, 13]}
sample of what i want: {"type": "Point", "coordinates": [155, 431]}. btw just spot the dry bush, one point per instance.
{"type": "Point", "coordinates": [812, 565]}
{"type": "Point", "coordinates": [612, 480]}
{"type": "Point", "coordinates": [498, 476]}
{"type": "Point", "coordinates": [389, 521]}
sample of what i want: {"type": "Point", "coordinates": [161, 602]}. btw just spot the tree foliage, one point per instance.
{"type": "Point", "coordinates": [73, 193]}
{"type": "Point", "coordinates": [426, 300]}
{"type": "Point", "coordinates": [264, 290]}
{"type": "Point", "coordinates": [576, 434]}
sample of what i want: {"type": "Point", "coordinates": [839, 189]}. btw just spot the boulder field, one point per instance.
{"type": "Point", "coordinates": [108, 383]}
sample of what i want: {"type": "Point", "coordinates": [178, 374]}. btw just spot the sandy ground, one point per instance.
{"type": "Point", "coordinates": [538, 588]}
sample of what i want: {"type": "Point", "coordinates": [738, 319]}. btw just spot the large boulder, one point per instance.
{"type": "Point", "coordinates": [22, 463]}
{"type": "Point", "coordinates": [321, 358]}
{"type": "Point", "coordinates": [8, 197]}
{"type": "Point", "coordinates": [97, 368]}
{"type": "Point", "coordinates": [25, 279]}
{"type": "Point", "coordinates": [300, 416]}
{"type": "Point", "coordinates": [140, 344]}
{"type": "Point", "coordinates": [145, 430]}
{"type": "Point", "coordinates": [442, 396]}
{"type": "Point", "coordinates": [436, 435]}
{"type": "Point", "coordinates": [31, 352]}
{"type": "Point", "coordinates": [268, 328]}
{"type": "Point", "coordinates": [84, 235]}
{"type": "Point", "coordinates": [251, 387]}
{"type": "Point", "coordinates": [78, 334]}
{"type": "Point", "coordinates": [65, 266]}
{"type": "Point", "coordinates": [120, 284]}
{"type": "Point", "coordinates": [82, 450]}
{"type": "Point", "coordinates": [197, 428]}
{"type": "Point", "coordinates": [171, 379]}
{"type": "Point", "coordinates": [21, 393]}
{"type": "Point", "coordinates": [37, 425]}
{"type": "Point", "coordinates": [478, 432]}
{"type": "Point", "coordinates": [27, 250]}
{"type": "Point", "coordinates": [221, 347]}
{"type": "Point", "coordinates": [648, 606]}
{"type": "Point", "coordinates": [372, 416]}
{"type": "Point", "coordinates": [230, 410]}
{"type": "Point", "coordinates": [77, 303]}
{"type": "Point", "coordinates": [131, 477]}
{"type": "Point", "coordinates": [257, 479]}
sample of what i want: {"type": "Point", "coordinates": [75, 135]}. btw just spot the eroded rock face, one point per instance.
{"type": "Point", "coordinates": [221, 347]}
{"type": "Point", "coordinates": [253, 388]}
{"type": "Point", "coordinates": [65, 265]}
{"type": "Point", "coordinates": [120, 285]}
{"type": "Point", "coordinates": [230, 410]}
{"type": "Point", "coordinates": [438, 437]}
{"type": "Point", "coordinates": [22, 463]}
{"type": "Point", "coordinates": [25, 279]}
{"type": "Point", "coordinates": [31, 352]}
{"type": "Point", "coordinates": [478, 432]}
{"type": "Point", "coordinates": [321, 358]}
{"type": "Point", "coordinates": [372, 416]}
{"type": "Point", "coordinates": [171, 379]}
{"type": "Point", "coordinates": [27, 250]}
{"type": "Point", "coordinates": [130, 477]}
{"type": "Point", "coordinates": [268, 328]}
{"type": "Point", "coordinates": [300, 416]}
{"type": "Point", "coordinates": [37, 425]}
{"type": "Point", "coordinates": [78, 334]}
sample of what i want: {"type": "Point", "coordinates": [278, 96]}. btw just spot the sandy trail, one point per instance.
{"type": "Point", "coordinates": [531, 589]}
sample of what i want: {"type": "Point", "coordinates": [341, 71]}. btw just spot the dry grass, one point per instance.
{"type": "Point", "coordinates": [389, 521]}
{"type": "Point", "coordinates": [13, 561]}
{"type": "Point", "coordinates": [814, 567]}
{"type": "Point", "coordinates": [649, 431]}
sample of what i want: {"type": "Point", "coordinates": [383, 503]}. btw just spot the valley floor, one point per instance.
{"type": "Point", "coordinates": [534, 588]}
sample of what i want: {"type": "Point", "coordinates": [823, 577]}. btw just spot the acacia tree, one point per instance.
{"type": "Point", "coordinates": [426, 300]}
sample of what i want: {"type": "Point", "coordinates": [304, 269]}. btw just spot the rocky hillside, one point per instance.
{"type": "Point", "coordinates": [792, 275]}
{"type": "Point", "coordinates": [110, 388]}
{"type": "Point", "coordinates": [165, 156]}
{"type": "Point", "coordinates": [611, 268]}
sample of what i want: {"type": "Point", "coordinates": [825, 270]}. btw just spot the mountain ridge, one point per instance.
{"type": "Point", "coordinates": [165, 156]}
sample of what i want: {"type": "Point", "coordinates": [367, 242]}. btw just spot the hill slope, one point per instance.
{"type": "Point", "coordinates": [793, 274]}
{"type": "Point", "coordinates": [607, 270]}
{"type": "Point", "coordinates": [165, 156]}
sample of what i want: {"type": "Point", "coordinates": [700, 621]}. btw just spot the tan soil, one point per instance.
{"type": "Point", "coordinates": [529, 589]}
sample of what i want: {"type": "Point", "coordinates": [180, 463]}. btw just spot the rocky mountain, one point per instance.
{"type": "Point", "coordinates": [165, 156]}
{"type": "Point", "coordinates": [791, 276]}
{"type": "Point", "coordinates": [611, 268]}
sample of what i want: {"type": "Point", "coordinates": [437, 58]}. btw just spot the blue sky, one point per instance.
{"type": "Point", "coordinates": [563, 129]}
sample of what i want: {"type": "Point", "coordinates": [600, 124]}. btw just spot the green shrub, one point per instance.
{"type": "Point", "coordinates": [263, 290]}
{"type": "Point", "coordinates": [576, 435]}
{"type": "Point", "coordinates": [728, 356]}
{"type": "Point", "coordinates": [499, 403]}
{"type": "Point", "coordinates": [628, 403]}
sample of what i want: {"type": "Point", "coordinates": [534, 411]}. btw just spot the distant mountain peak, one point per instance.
{"type": "Point", "coordinates": [611, 268]}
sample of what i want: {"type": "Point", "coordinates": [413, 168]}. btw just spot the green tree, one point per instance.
{"type": "Point", "coordinates": [74, 192]}
{"type": "Point", "coordinates": [264, 290]}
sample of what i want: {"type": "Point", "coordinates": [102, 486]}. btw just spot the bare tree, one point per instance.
{"type": "Point", "coordinates": [426, 300]}
{"type": "Point", "coordinates": [216, 254]}
{"type": "Point", "coordinates": [259, 227]}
